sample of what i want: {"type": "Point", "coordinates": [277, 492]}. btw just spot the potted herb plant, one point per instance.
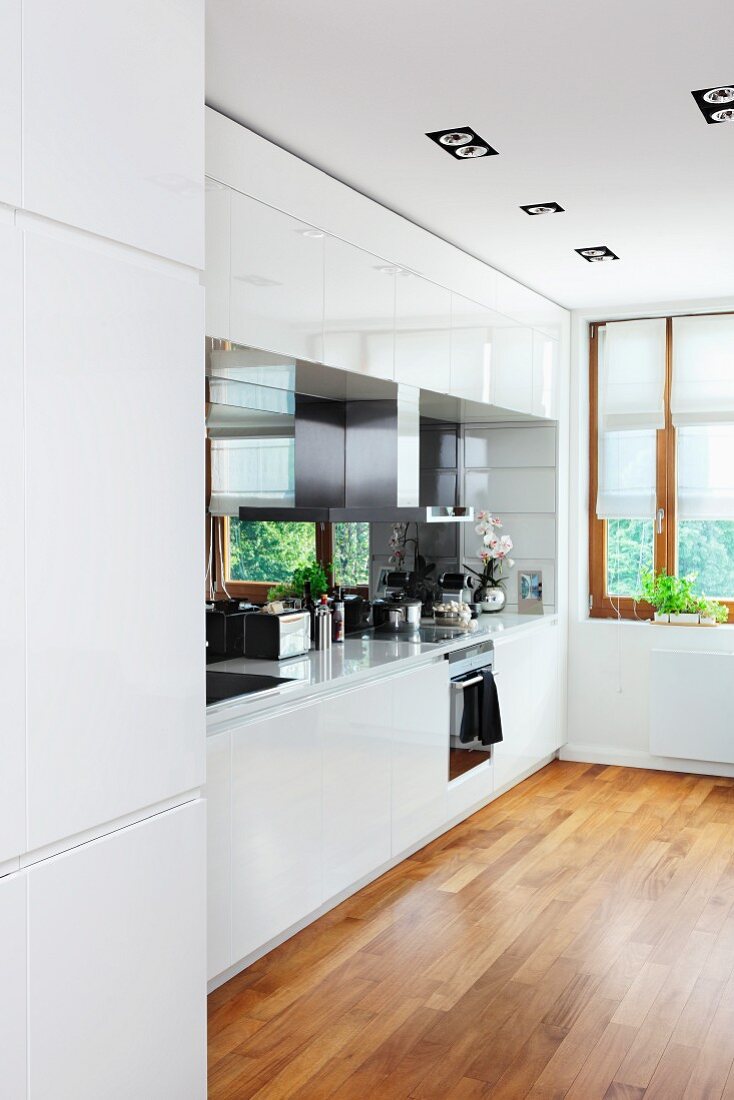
{"type": "Point", "coordinates": [494, 554]}
{"type": "Point", "coordinates": [712, 612]}
{"type": "Point", "coordinates": [685, 612]}
{"type": "Point", "coordinates": [662, 591]}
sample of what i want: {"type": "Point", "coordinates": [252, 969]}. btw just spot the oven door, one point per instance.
{"type": "Point", "coordinates": [464, 755]}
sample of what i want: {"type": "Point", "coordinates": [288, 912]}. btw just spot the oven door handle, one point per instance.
{"type": "Point", "coordinates": [461, 685]}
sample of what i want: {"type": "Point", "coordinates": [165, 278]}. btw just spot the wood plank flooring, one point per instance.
{"type": "Point", "coordinates": [575, 938]}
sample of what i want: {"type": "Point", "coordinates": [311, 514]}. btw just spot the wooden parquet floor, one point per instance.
{"type": "Point", "coordinates": [573, 939]}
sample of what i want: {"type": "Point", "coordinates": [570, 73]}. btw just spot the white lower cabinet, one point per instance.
{"type": "Point", "coordinates": [13, 953]}
{"type": "Point", "coordinates": [419, 754]}
{"type": "Point", "coordinates": [527, 673]}
{"type": "Point", "coordinates": [218, 795]}
{"type": "Point", "coordinates": [355, 740]}
{"type": "Point", "coordinates": [116, 980]}
{"type": "Point", "coordinates": [276, 825]}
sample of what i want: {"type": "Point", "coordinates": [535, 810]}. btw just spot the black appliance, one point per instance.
{"type": "Point", "coordinates": [356, 610]}
{"type": "Point", "coordinates": [225, 628]}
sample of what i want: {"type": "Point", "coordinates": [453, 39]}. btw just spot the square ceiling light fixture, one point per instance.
{"type": "Point", "coordinates": [543, 208]}
{"type": "Point", "coordinates": [716, 104]}
{"type": "Point", "coordinates": [597, 254]}
{"type": "Point", "coordinates": [463, 143]}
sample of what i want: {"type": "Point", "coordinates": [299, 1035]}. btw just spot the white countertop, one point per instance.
{"type": "Point", "coordinates": [347, 663]}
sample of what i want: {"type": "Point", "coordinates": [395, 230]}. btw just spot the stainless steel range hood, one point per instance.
{"type": "Point", "coordinates": [348, 446]}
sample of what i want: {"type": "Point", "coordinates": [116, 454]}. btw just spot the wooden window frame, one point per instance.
{"type": "Point", "coordinates": [601, 604]}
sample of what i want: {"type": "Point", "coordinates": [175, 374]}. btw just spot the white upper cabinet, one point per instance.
{"type": "Point", "coordinates": [359, 310]}
{"type": "Point", "coordinates": [277, 281]}
{"type": "Point", "coordinates": [545, 376]}
{"type": "Point", "coordinates": [276, 826]}
{"type": "Point", "coordinates": [13, 952]}
{"type": "Point", "coordinates": [216, 272]}
{"type": "Point", "coordinates": [356, 745]}
{"type": "Point", "coordinates": [116, 972]}
{"type": "Point", "coordinates": [10, 111]}
{"type": "Point", "coordinates": [114, 539]}
{"type": "Point", "coordinates": [472, 333]}
{"type": "Point", "coordinates": [419, 754]}
{"type": "Point", "coordinates": [12, 565]}
{"type": "Point", "coordinates": [113, 120]}
{"type": "Point", "coordinates": [422, 333]}
{"type": "Point", "coordinates": [512, 356]}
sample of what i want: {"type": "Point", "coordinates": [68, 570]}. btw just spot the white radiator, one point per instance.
{"type": "Point", "coordinates": [691, 712]}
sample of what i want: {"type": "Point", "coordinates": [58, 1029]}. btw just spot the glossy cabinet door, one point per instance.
{"type": "Point", "coordinates": [472, 376]}
{"type": "Point", "coordinates": [10, 109]}
{"type": "Point", "coordinates": [114, 491]}
{"type": "Point", "coordinates": [546, 381]}
{"type": "Point", "coordinates": [113, 120]}
{"type": "Point", "coordinates": [527, 682]}
{"type": "Point", "coordinates": [356, 746]}
{"type": "Point", "coordinates": [420, 746]}
{"type": "Point", "coordinates": [512, 353]}
{"type": "Point", "coordinates": [277, 281]}
{"type": "Point", "coordinates": [12, 549]}
{"type": "Point", "coordinates": [218, 797]}
{"type": "Point", "coordinates": [13, 962]}
{"type": "Point", "coordinates": [359, 310]}
{"type": "Point", "coordinates": [116, 964]}
{"type": "Point", "coordinates": [276, 825]}
{"type": "Point", "coordinates": [422, 333]}
{"type": "Point", "coordinates": [216, 271]}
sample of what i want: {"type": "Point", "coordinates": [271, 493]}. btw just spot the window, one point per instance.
{"type": "Point", "coordinates": [661, 457]}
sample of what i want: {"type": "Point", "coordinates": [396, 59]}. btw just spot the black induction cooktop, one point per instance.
{"type": "Point", "coordinates": [229, 685]}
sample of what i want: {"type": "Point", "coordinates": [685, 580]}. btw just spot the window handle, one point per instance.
{"type": "Point", "coordinates": [661, 517]}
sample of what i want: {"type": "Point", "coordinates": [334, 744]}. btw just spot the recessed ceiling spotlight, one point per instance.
{"type": "Point", "coordinates": [456, 137]}
{"type": "Point", "coordinates": [313, 234]}
{"type": "Point", "coordinates": [463, 143]}
{"type": "Point", "coordinates": [393, 269]}
{"type": "Point", "coordinates": [543, 208]}
{"type": "Point", "coordinates": [597, 254]}
{"type": "Point", "coordinates": [710, 98]}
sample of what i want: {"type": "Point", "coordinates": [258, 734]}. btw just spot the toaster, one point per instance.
{"type": "Point", "coordinates": [276, 637]}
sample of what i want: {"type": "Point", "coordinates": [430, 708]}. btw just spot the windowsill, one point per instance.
{"type": "Point", "coordinates": [649, 622]}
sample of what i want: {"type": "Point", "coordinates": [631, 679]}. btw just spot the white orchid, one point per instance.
{"type": "Point", "coordinates": [494, 552]}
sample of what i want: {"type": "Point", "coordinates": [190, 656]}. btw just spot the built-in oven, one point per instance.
{"type": "Point", "coordinates": [467, 667]}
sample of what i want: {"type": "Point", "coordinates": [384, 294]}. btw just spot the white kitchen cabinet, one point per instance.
{"type": "Point", "coordinates": [216, 272]}
{"type": "Point", "coordinates": [359, 310]}
{"type": "Point", "coordinates": [276, 825]}
{"type": "Point", "coordinates": [545, 376]}
{"type": "Point", "coordinates": [422, 333]}
{"type": "Point", "coordinates": [113, 120]}
{"type": "Point", "coordinates": [472, 376]}
{"type": "Point", "coordinates": [277, 281]}
{"type": "Point", "coordinates": [13, 962]}
{"type": "Point", "coordinates": [419, 754]}
{"type": "Point", "coordinates": [10, 109]}
{"type": "Point", "coordinates": [12, 565]}
{"type": "Point", "coordinates": [114, 488]}
{"type": "Point", "coordinates": [527, 672]}
{"type": "Point", "coordinates": [116, 977]}
{"type": "Point", "coordinates": [356, 740]}
{"type": "Point", "coordinates": [218, 795]}
{"type": "Point", "coordinates": [512, 356]}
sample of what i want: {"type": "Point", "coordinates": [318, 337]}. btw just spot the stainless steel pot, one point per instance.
{"type": "Point", "coordinates": [396, 613]}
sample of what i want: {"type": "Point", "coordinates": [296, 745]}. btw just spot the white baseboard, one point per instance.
{"type": "Point", "coordinates": [635, 758]}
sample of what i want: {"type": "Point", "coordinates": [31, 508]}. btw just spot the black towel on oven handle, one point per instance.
{"type": "Point", "coordinates": [471, 715]}
{"type": "Point", "coordinates": [490, 717]}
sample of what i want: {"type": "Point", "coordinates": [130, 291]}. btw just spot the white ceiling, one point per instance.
{"type": "Point", "coordinates": [588, 104]}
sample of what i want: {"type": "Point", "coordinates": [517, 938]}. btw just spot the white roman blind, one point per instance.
{"type": "Point", "coordinates": [702, 408]}
{"type": "Point", "coordinates": [703, 370]}
{"type": "Point", "coordinates": [631, 390]}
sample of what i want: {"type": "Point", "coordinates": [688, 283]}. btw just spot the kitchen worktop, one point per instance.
{"type": "Point", "coordinates": [355, 660]}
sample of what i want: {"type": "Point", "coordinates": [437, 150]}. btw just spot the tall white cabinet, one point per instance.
{"type": "Point", "coordinates": [113, 138]}
{"type": "Point", "coordinates": [116, 966]}
{"type": "Point", "coordinates": [10, 108]}
{"type": "Point", "coordinates": [12, 566]}
{"type": "Point", "coordinates": [114, 485]}
{"type": "Point", "coordinates": [13, 998]}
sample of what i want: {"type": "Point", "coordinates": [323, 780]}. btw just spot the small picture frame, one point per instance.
{"type": "Point", "coordinates": [530, 592]}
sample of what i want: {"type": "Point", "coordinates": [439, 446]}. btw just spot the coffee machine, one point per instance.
{"type": "Point", "coordinates": [456, 588]}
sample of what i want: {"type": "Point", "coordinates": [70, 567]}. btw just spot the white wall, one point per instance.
{"type": "Point", "coordinates": [609, 663]}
